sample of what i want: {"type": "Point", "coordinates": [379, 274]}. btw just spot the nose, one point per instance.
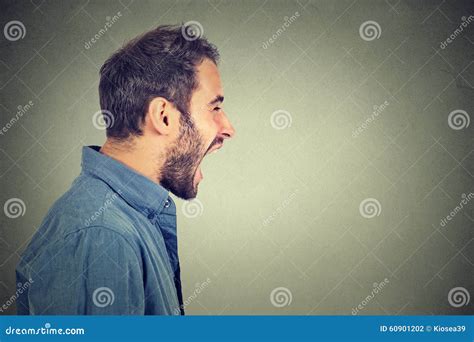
{"type": "Point", "coordinates": [227, 130]}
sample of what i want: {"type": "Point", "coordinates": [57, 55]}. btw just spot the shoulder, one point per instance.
{"type": "Point", "coordinates": [82, 246]}
{"type": "Point", "coordinates": [90, 210]}
{"type": "Point", "coordinates": [90, 202]}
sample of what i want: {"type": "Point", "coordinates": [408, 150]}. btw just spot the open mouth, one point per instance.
{"type": "Point", "coordinates": [198, 176]}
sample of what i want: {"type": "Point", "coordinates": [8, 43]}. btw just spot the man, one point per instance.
{"type": "Point", "coordinates": [109, 244]}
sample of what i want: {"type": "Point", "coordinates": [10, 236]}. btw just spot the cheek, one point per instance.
{"type": "Point", "coordinates": [213, 130]}
{"type": "Point", "coordinates": [208, 129]}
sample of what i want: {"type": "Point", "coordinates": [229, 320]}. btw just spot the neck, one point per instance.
{"type": "Point", "coordinates": [135, 156]}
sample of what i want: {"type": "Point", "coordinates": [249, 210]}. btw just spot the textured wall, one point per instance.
{"type": "Point", "coordinates": [354, 144]}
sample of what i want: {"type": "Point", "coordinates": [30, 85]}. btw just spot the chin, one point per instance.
{"type": "Point", "coordinates": [187, 194]}
{"type": "Point", "coordinates": [193, 195]}
{"type": "Point", "coordinates": [188, 197]}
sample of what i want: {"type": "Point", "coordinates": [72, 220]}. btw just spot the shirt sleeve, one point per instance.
{"type": "Point", "coordinates": [93, 271]}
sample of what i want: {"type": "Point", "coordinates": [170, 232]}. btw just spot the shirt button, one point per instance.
{"type": "Point", "coordinates": [167, 203]}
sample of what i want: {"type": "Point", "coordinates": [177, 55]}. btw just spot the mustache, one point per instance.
{"type": "Point", "coordinates": [216, 141]}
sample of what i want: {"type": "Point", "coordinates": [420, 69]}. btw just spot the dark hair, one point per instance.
{"type": "Point", "coordinates": [159, 63]}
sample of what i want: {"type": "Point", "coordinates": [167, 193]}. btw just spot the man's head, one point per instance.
{"type": "Point", "coordinates": [165, 96]}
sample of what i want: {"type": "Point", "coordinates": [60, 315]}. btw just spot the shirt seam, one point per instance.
{"type": "Point", "coordinates": [65, 236]}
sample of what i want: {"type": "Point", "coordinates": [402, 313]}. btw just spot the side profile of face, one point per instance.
{"type": "Point", "coordinates": [201, 131]}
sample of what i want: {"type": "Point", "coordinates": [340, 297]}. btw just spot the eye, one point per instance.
{"type": "Point", "coordinates": [216, 109]}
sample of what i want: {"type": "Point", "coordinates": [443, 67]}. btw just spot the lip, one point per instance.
{"type": "Point", "coordinates": [213, 148]}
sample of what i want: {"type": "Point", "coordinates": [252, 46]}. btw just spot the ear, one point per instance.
{"type": "Point", "coordinates": [163, 116]}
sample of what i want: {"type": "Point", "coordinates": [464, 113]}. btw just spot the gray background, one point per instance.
{"type": "Point", "coordinates": [277, 207]}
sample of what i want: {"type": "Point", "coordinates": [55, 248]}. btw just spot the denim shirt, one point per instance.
{"type": "Point", "coordinates": [107, 246]}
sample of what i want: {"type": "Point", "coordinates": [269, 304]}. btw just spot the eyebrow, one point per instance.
{"type": "Point", "coordinates": [216, 100]}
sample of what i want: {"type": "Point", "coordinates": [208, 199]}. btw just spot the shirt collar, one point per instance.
{"type": "Point", "coordinates": [139, 191]}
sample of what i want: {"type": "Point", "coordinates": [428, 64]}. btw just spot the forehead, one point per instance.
{"type": "Point", "coordinates": [209, 83]}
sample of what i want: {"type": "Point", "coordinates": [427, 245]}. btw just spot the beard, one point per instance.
{"type": "Point", "coordinates": [183, 159]}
